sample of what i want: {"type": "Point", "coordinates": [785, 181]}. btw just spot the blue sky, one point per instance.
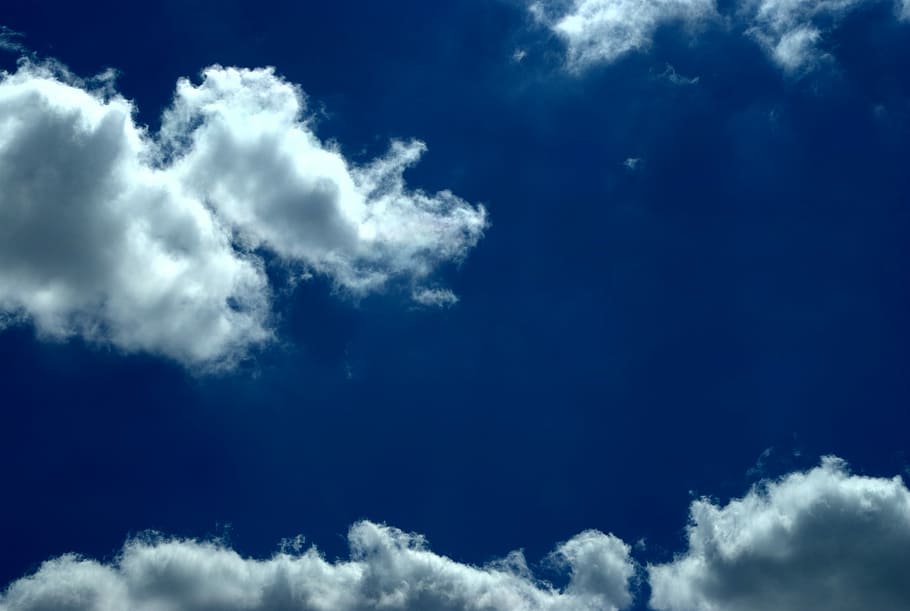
{"type": "Point", "coordinates": [608, 282]}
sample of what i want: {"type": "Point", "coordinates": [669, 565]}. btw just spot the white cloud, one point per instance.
{"type": "Point", "coordinates": [822, 539]}
{"type": "Point", "coordinates": [244, 146]}
{"type": "Point", "coordinates": [97, 242]}
{"type": "Point", "coordinates": [440, 298]}
{"type": "Point", "coordinates": [791, 30]}
{"type": "Point", "coordinates": [388, 569]}
{"type": "Point", "coordinates": [123, 238]}
{"type": "Point", "coordinates": [601, 31]}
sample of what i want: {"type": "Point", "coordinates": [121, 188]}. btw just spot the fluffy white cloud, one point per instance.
{"type": "Point", "coordinates": [146, 242]}
{"type": "Point", "coordinates": [388, 569]}
{"type": "Point", "coordinates": [905, 10]}
{"type": "Point", "coordinates": [598, 31]}
{"type": "Point", "coordinates": [242, 144]}
{"type": "Point", "coordinates": [822, 539]}
{"type": "Point", "coordinates": [96, 241]}
{"type": "Point", "coordinates": [790, 30]}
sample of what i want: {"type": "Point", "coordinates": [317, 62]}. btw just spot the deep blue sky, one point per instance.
{"type": "Point", "coordinates": [624, 338]}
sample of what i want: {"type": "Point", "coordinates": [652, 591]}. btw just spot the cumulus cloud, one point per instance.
{"type": "Point", "coordinates": [819, 539]}
{"type": "Point", "coordinates": [96, 241]}
{"type": "Point", "coordinates": [822, 539]}
{"type": "Point", "coordinates": [387, 569]}
{"type": "Point", "coordinates": [905, 10]}
{"type": "Point", "coordinates": [151, 242]}
{"type": "Point", "coordinates": [601, 31]}
{"type": "Point", "coordinates": [242, 144]}
{"type": "Point", "coordinates": [791, 30]}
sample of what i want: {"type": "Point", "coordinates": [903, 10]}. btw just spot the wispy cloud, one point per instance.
{"type": "Point", "coordinates": [11, 40]}
{"type": "Point", "coordinates": [674, 77]}
{"type": "Point", "coordinates": [792, 30]}
{"type": "Point", "coordinates": [632, 163]}
{"type": "Point", "coordinates": [602, 31]}
{"type": "Point", "coordinates": [439, 298]}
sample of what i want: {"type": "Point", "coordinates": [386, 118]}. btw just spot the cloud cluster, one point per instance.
{"type": "Point", "coordinates": [387, 569]}
{"type": "Point", "coordinates": [151, 242]}
{"type": "Point", "coordinates": [822, 539]}
{"type": "Point", "coordinates": [819, 539]}
{"type": "Point", "coordinates": [601, 31]}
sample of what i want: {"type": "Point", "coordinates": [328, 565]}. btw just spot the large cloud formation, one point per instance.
{"type": "Point", "coordinates": [602, 31]}
{"type": "Point", "coordinates": [822, 539]}
{"type": "Point", "coordinates": [149, 242]}
{"type": "Point", "coordinates": [388, 569]}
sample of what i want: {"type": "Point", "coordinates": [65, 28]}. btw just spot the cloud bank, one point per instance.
{"type": "Point", "coordinates": [822, 539]}
{"type": "Point", "coordinates": [818, 539]}
{"type": "Point", "coordinates": [153, 242]}
{"type": "Point", "coordinates": [387, 569]}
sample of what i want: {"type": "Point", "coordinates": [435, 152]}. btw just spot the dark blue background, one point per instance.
{"type": "Point", "coordinates": [625, 339]}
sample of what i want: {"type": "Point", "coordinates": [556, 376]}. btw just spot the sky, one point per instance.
{"type": "Point", "coordinates": [478, 304]}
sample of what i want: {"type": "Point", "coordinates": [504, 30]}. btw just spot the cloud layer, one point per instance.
{"type": "Point", "coordinates": [819, 539]}
{"type": "Point", "coordinates": [388, 569]}
{"type": "Point", "coordinates": [822, 539]}
{"type": "Point", "coordinates": [152, 243]}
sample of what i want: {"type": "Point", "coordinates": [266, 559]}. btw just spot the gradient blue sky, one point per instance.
{"type": "Point", "coordinates": [732, 307]}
